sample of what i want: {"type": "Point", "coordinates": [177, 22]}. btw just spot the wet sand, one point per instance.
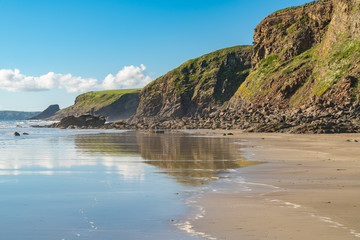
{"type": "Point", "coordinates": [308, 189]}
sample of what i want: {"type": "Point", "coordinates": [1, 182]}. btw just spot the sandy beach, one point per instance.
{"type": "Point", "coordinates": [308, 189]}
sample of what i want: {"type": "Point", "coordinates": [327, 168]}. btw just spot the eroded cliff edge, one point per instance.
{"type": "Point", "coordinates": [306, 55]}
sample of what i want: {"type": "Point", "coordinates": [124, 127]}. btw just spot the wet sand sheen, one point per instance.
{"type": "Point", "coordinates": [102, 186]}
{"type": "Point", "coordinates": [316, 194]}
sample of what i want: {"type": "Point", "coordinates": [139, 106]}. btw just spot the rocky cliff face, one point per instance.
{"type": "Point", "coordinates": [308, 55]}
{"type": "Point", "coordinates": [304, 77]}
{"type": "Point", "coordinates": [47, 113]}
{"type": "Point", "coordinates": [196, 86]}
{"type": "Point", "coordinates": [112, 104]}
{"type": "Point", "coordinates": [121, 109]}
{"type": "Point", "coordinates": [301, 76]}
{"type": "Point", "coordinates": [292, 31]}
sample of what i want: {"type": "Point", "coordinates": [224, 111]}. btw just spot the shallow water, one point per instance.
{"type": "Point", "coordinates": [97, 184]}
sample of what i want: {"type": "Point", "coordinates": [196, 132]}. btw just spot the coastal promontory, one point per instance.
{"type": "Point", "coordinates": [300, 76]}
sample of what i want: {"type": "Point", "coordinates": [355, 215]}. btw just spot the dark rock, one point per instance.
{"type": "Point", "coordinates": [119, 106]}
{"type": "Point", "coordinates": [159, 131]}
{"type": "Point", "coordinates": [16, 134]}
{"type": "Point", "coordinates": [82, 121]}
{"type": "Point", "coordinates": [47, 113]}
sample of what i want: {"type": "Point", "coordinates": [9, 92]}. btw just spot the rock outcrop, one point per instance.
{"type": "Point", "coordinates": [290, 32]}
{"type": "Point", "coordinates": [47, 113]}
{"type": "Point", "coordinates": [197, 86]}
{"type": "Point", "coordinates": [307, 55]}
{"type": "Point", "coordinates": [82, 121]}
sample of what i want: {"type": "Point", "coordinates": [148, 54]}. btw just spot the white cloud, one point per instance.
{"type": "Point", "coordinates": [128, 77]}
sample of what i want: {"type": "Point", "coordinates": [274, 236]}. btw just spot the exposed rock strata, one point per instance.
{"type": "Point", "coordinates": [306, 52]}
{"type": "Point", "coordinates": [291, 31]}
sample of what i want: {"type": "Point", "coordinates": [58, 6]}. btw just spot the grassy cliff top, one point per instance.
{"type": "Point", "coordinates": [215, 56]}
{"type": "Point", "coordinates": [298, 7]}
{"type": "Point", "coordinates": [98, 99]}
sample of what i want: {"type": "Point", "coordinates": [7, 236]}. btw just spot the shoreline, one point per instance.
{"type": "Point", "coordinates": [315, 193]}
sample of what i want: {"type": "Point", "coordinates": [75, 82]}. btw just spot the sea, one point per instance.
{"type": "Point", "coordinates": [109, 184]}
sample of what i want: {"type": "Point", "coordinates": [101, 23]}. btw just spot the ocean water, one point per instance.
{"type": "Point", "coordinates": [104, 184]}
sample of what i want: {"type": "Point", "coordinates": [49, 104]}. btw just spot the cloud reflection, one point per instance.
{"type": "Point", "coordinates": [61, 156]}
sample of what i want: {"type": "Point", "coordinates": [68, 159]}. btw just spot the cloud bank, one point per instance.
{"type": "Point", "coordinates": [128, 77]}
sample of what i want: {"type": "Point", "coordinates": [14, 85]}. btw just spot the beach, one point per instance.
{"type": "Point", "coordinates": [99, 184]}
{"type": "Point", "coordinates": [105, 184]}
{"type": "Point", "coordinates": [309, 188]}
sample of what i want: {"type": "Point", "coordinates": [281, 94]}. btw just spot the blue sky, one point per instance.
{"type": "Point", "coordinates": [51, 51]}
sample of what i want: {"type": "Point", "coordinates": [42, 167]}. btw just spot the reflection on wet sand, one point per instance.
{"type": "Point", "coordinates": [190, 159]}
{"type": "Point", "coordinates": [113, 144]}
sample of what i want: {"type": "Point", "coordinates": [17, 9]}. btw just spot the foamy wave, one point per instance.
{"type": "Point", "coordinates": [328, 220]}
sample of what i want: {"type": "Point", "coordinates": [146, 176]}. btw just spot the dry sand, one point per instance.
{"type": "Point", "coordinates": [311, 190]}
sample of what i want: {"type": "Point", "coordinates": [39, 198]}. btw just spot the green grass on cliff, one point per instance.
{"type": "Point", "coordinates": [337, 64]}
{"type": "Point", "coordinates": [211, 78]}
{"type": "Point", "coordinates": [296, 7]}
{"type": "Point", "coordinates": [97, 99]}
{"type": "Point", "coordinates": [199, 76]}
{"type": "Point", "coordinates": [327, 68]}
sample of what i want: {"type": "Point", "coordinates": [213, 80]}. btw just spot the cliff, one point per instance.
{"type": "Point", "coordinates": [197, 85]}
{"type": "Point", "coordinates": [305, 56]}
{"type": "Point", "coordinates": [305, 66]}
{"type": "Point", "coordinates": [47, 113]}
{"type": "Point", "coordinates": [112, 104]}
{"type": "Point", "coordinates": [301, 76]}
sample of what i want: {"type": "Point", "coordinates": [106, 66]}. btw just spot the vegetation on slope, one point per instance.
{"type": "Point", "coordinates": [306, 60]}
{"type": "Point", "coordinates": [97, 100]}
{"type": "Point", "coordinates": [113, 104]}
{"type": "Point", "coordinates": [197, 84]}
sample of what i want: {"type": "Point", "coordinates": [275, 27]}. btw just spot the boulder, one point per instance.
{"type": "Point", "coordinates": [82, 121]}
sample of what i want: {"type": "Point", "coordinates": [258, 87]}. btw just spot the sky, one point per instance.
{"type": "Point", "coordinates": [53, 50]}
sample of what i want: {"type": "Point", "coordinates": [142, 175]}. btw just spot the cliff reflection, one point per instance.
{"type": "Point", "coordinates": [113, 144]}
{"type": "Point", "coordinates": [192, 160]}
